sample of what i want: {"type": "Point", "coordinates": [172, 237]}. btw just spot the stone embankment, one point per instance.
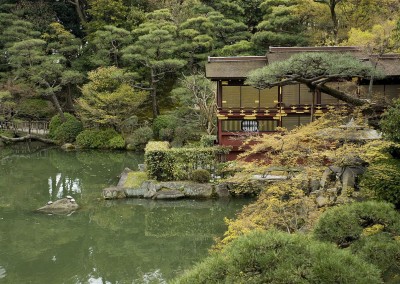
{"type": "Point", "coordinates": [165, 190]}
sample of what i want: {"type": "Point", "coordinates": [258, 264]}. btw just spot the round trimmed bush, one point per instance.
{"type": "Point", "coordinates": [201, 176]}
{"type": "Point", "coordinates": [102, 139]}
{"type": "Point", "coordinates": [139, 138]}
{"type": "Point", "coordinates": [371, 230]}
{"type": "Point", "coordinates": [67, 131]}
{"type": "Point", "coordinates": [164, 121]}
{"type": "Point", "coordinates": [277, 257]}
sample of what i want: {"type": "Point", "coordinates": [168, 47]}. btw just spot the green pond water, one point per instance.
{"type": "Point", "coordinates": [125, 241]}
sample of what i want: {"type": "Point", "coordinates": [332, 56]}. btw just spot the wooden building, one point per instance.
{"type": "Point", "coordinates": [244, 110]}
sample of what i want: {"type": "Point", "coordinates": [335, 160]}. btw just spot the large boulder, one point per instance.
{"type": "Point", "coordinates": [114, 192]}
{"type": "Point", "coordinates": [61, 206]}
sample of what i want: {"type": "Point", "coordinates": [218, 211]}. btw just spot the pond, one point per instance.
{"type": "Point", "coordinates": [124, 241]}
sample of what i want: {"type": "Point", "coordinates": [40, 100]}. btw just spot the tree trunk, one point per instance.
{"type": "Point", "coordinates": [341, 95]}
{"type": "Point", "coordinates": [26, 138]}
{"type": "Point", "coordinates": [58, 107]}
{"type": "Point", "coordinates": [153, 94]}
{"type": "Point", "coordinates": [79, 10]}
{"type": "Point", "coordinates": [70, 103]}
{"type": "Point", "coordinates": [332, 6]}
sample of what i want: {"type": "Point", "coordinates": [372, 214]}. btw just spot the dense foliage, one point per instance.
{"type": "Point", "coordinates": [276, 257]}
{"type": "Point", "coordinates": [180, 163]}
{"type": "Point", "coordinates": [65, 131]}
{"type": "Point", "coordinates": [156, 51]}
{"type": "Point", "coordinates": [370, 229]}
{"type": "Point", "coordinates": [100, 139]}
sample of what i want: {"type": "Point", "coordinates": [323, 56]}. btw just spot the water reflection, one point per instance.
{"type": "Point", "coordinates": [123, 241]}
{"type": "Point", "coordinates": [2, 272]}
{"type": "Point", "coordinates": [63, 186]}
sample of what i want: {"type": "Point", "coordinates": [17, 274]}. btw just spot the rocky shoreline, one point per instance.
{"type": "Point", "coordinates": [153, 189]}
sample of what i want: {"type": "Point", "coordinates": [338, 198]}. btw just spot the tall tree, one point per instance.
{"type": "Point", "coordinates": [381, 39]}
{"type": "Point", "coordinates": [108, 43]}
{"type": "Point", "coordinates": [334, 17]}
{"type": "Point", "coordinates": [109, 98]}
{"type": "Point", "coordinates": [198, 94]}
{"type": "Point", "coordinates": [154, 50]}
{"type": "Point", "coordinates": [106, 12]}
{"type": "Point", "coordinates": [61, 41]}
{"type": "Point", "coordinates": [283, 25]}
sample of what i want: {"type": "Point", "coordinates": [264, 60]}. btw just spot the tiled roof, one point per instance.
{"type": "Point", "coordinates": [233, 67]}
{"type": "Point", "coordinates": [239, 67]}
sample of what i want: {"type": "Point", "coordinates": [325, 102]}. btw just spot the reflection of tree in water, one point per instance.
{"type": "Point", "coordinates": [61, 186]}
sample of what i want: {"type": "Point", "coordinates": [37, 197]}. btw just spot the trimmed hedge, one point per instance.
{"type": "Point", "coordinates": [179, 163]}
{"type": "Point", "coordinates": [67, 131]}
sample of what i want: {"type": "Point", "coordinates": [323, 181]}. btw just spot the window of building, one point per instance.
{"type": "Point", "coordinates": [250, 97]}
{"type": "Point", "coordinates": [230, 125]}
{"type": "Point", "coordinates": [269, 97]}
{"type": "Point", "coordinates": [306, 95]}
{"type": "Point", "coordinates": [290, 95]}
{"type": "Point", "coordinates": [250, 125]}
{"type": "Point", "coordinates": [230, 97]}
{"type": "Point", "coordinates": [392, 91]}
{"type": "Point", "coordinates": [328, 99]}
{"type": "Point", "coordinates": [293, 121]}
{"type": "Point", "coordinates": [235, 125]}
{"type": "Point", "coordinates": [267, 125]}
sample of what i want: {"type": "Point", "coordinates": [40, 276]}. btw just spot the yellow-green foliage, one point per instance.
{"type": "Point", "coordinates": [282, 205]}
{"type": "Point", "coordinates": [135, 179]}
{"type": "Point", "coordinates": [310, 149]}
{"type": "Point", "coordinates": [157, 145]}
{"type": "Point", "coordinates": [372, 230]}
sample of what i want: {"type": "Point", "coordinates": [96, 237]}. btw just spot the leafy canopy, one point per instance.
{"type": "Point", "coordinates": [313, 70]}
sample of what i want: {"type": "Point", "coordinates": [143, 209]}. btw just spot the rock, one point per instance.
{"type": "Point", "coordinates": [350, 175]}
{"type": "Point", "coordinates": [222, 190]}
{"type": "Point", "coordinates": [141, 167]}
{"type": "Point", "coordinates": [134, 193]}
{"type": "Point", "coordinates": [168, 194]}
{"type": "Point", "coordinates": [321, 201]}
{"type": "Point", "coordinates": [114, 193]}
{"type": "Point", "coordinates": [198, 190]}
{"type": "Point", "coordinates": [124, 176]}
{"type": "Point", "coordinates": [314, 185]}
{"type": "Point", "coordinates": [61, 206]}
{"type": "Point", "coordinates": [68, 146]}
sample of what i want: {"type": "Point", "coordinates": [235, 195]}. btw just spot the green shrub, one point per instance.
{"type": "Point", "coordinates": [201, 176]}
{"type": "Point", "coordinates": [276, 257]}
{"type": "Point", "coordinates": [157, 146]}
{"type": "Point", "coordinates": [390, 122]}
{"type": "Point", "coordinates": [179, 163]}
{"type": "Point", "coordinates": [100, 139]}
{"type": "Point", "coordinates": [139, 138]}
{"type": "Point", "coordinates": [162, 122]}
{"type": "Point", "coordinates": [383, 180]}
{"type": "Point", "coordinates": [207, 140]}
{"type": "Point", "coordinates": [166, 134]}
{"type": "Point", "coordinates": [371, 230]}
{"type": "Point", "coordinates": [65, 131]}
{"type": "Point", "coordinates": [117, 142]}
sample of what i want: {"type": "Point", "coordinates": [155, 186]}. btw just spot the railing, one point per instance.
{"type": "Point", "coordinates": [31, 127]}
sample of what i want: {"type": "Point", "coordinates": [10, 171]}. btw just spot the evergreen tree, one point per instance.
{"type": "Point", "coordinates": [154, 51]}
